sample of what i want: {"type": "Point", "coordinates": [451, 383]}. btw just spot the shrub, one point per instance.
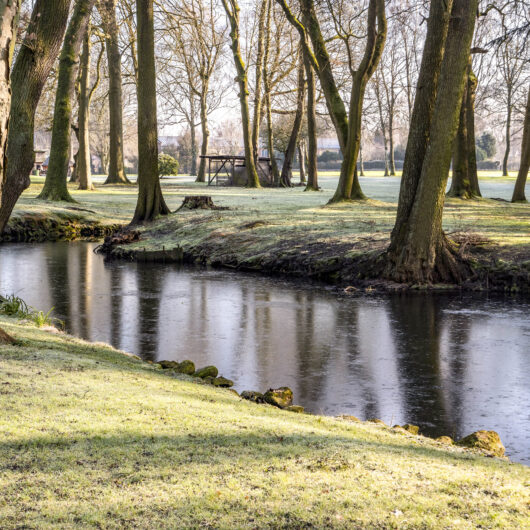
{"type": "Point", "coordinates": [167, 165]}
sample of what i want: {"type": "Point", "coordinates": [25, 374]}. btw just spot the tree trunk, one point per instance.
{"type": "Point", "coordinates": [464, 183]}
{"type": "Point", "coordinates": [349, 187]}
{"type": "Point", "coordinates": [508, 135]}
{"type": "Point", "coordinates": [193, 138]}
{"type": "Point", "coordinates": [382, 123]}
{"type": "Point", "coordinates": [472, 83]}
{"type": "Point", "coordinates": [29, 74]}
{"type": "Point", "coordinates": [83, 168]}
{"type": "Point", "coordinates": [8, 22]}
{"type": "Point", "coordinates": [285, 179]}
{"type": "Point", "coordinates": [150, 202]}
{"type": "Point", "coordinates": [361, 161]}
{"type": "Point", "coordinates": [232, 11]}
{"type": "Point", "coordinates": [260, 67]}
{"type": "Point", "coordinates": [312, 147]}
{"type": "Point", "coordinates": [201, 176]}
{"type": "Point", "coordinates": [116, 175]}
{"type": "Point", "coordinates": [270, 138]}
{"type": "Point", "coordinates": [55, 185]}
{"type": "Point", "coordinates": [301, 160]}
{"type": "Point", "coordinates": [347, 129]}
{"type": "Point", "coordinates": [420, 123]}
{"type": "Point", "coordinates": [392, 160]}
{"type": "Point", "coordinates": [426, 255]}
{"type": "Point", "coordinates": [524, 167]}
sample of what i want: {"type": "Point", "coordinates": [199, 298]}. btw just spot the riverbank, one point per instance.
{"type": "Point", "coordinates": [289, 231]}
{"type": "Point", "coordinates": [95, 438]}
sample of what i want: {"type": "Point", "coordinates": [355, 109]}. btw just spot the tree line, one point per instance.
{"type": "Point", "coordinates": [339, 65]}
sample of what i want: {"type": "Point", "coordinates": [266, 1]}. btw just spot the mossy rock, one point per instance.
{"type": "Point", "coordinates": [207, 371]}
{"type": "Point", "coordinates": [222, 382]}
{"type": "Point", "coordinates": [347, 417]}
{"type": "Point", "coordinates": [208, 379]}
{"type": "Point", "coordinates": [376, 420]}
{"type": "Point", "coordinates": [413, 429]}
{"type": "Point", "coordinates": [295, 408]}
{"type": "Point", "coordinates": [279, 397]}
{"type": "Point", "coordinates": [169, 365]}
{"type": "Point", "coordinates": [488, 441]}
{"type": "Point", "coordinates": [445, 440]}
{"type": "Point", "coordinates": [399, 429]}
{"type": "Point", "coordinates": [186, 367]}
{"type": "Point", "coordinates": [251, 395]}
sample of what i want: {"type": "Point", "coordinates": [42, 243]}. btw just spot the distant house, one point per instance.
{"type": "Point", "coordinates": [327, 144]}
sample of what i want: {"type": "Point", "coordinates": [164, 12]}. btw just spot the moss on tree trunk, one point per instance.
{"type": "Point", "coordinates": [116, 175]}
{"type": "Point", "coordinates": [424, 254]}
{"type": "Point", "coordinates": [232, 11]}
{"type": "Point", "coordinates": [464, 183]}
{"type": "Point", "coordinates": [312, 147]}
{"type": "Point", "coordinates": [83, 168]}
{"type": "Point", "coordinates": [8, 20]}
{"type": "Point", "coordinates": [150, 202]}
{"type": "Point", "coordinates": [55, 185]}
{"type": "Point", "coordinates": [29, 74]}
{"type": "Point", "coordinates": [524, 166]}
{"type": "Point", "coordinates": [285, 178]}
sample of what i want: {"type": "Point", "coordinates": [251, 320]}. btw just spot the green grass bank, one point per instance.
{"type": "Point", "coordinates": [293, 232]}
{"type": "Point", "coordinates": [92, 438]}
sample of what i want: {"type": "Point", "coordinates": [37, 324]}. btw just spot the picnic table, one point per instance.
{"type": "Point", "coordinates": [222, 168]}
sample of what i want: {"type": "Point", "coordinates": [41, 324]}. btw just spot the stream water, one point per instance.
{"type": "Point", "coordinates": [450, 363]}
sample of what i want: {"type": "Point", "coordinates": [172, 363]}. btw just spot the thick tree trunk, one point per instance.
{"type": "Point", "coordinates": [420, 123]}
{"type": "Point", "coordinates": [426, 255]}
{"type": "Point", "coordinates": [471, 93]}
{"type": "Point", "coordinates": [312, 147]}
{"type": "Point", "coordinates": [464, 182]}
{"type": "Point", "coordinates": [524, 166]}
{"type": "Point", "coordinates": [83, 168]}
{"type": "Point", "coordinates": [116, 175]}
{"type": "Point", "coordinates": [55, 185]}
{"type": "Point", "coordinates": [201, 176]}
{"type": "Point", "coordinates": [29, 74]}
{"type": "Point", "coordinates": [150, 202]}
{"type": "Point", "coordinates": [232, 11]}
{"type": "Point", "coordinates": [508, 134]}
{"type": "Point", "coordinates": [287, 168]}
{"type": "Point", "coordinates": [8, 20]}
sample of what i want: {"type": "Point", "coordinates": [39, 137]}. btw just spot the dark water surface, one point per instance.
{"type": "Point", "coordinates": [449, 363]}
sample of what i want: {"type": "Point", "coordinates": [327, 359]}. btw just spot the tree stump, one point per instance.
{"type": "Point", "coordinates": [5, 338]}
{"type": "Point", "coordinates": [199, 202]}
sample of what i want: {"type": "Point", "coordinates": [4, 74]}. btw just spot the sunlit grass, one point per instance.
{"type": "Point", "coordinates": [92, 438]}
{"type": "Point", "coordinates": [286, 214]}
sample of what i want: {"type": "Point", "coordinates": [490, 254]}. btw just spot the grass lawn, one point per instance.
{"type": "Point", "coordinates": [91, 438]}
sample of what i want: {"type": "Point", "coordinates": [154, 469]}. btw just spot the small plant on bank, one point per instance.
{"type": "Point", "coordinates": [13, 306]}
{"type": "Point", "coordinates": [40, 319]}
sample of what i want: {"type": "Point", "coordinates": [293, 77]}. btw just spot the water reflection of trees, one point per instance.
{"type": "Point", "coordinates": [418, 322]}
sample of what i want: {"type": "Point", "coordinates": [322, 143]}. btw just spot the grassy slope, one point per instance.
{"type": "Point", "coordinates": [92, 438]}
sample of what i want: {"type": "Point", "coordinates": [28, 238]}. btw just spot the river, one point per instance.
{"type": "Point", "coordinates": [450, 363]}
